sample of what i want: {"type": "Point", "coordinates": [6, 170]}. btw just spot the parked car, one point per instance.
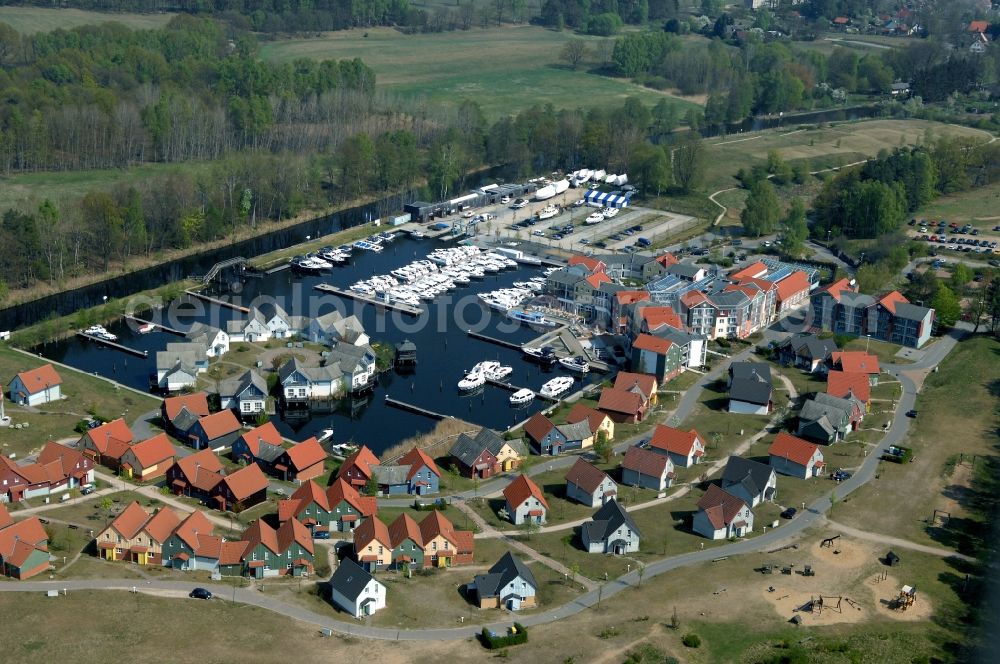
{"type": "Point", "coordinates": [840, 475]}
{"type": "Point", "coordinates": [538, 232]}
{"type": "Point", "coordinates": [200, 593]}
{"type": "Point", "coordinates": [519, 203]}
{"type": "Point", "coordinates": [321, 534]}
{"type": "Point", "coordinates": [789, 513]}
{"type": "Point", "coordinates": [505, 200]}
{"type": "Point", "coordinates": [911, 413]}
{"type": "Point", "coordinates": [87, 490]}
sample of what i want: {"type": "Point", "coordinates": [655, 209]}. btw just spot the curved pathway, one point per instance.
{"type": "Point", "coordinates": [896, 541]}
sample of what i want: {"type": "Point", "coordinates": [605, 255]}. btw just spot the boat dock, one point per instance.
{"type": "Point", "coordinates": [394, 306]}
{"type": "Point", "coordinates": [156, 325]}
{"type": "Point", "coordinates": [402, 405]}
{"type": "Point", "coordinates": [514, 388]}
{"type": "Point", "coordinates": [114, 345]}
{"type": "Point", "coordinates": [221, 303]}
{"type": "Point", "coordinates": [279, 268]}
{"type": "Point", "coordinates": [494, 340]}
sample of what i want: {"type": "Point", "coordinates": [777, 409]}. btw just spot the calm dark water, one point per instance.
{"type": "Point", "coordinates": [444, 348]}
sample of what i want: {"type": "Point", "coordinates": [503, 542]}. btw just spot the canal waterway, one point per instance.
{"type": "Point", "coordinates": [444, 348]}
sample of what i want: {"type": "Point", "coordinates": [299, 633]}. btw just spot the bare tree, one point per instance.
{"type": "Point", "coordinates": [573, 52]}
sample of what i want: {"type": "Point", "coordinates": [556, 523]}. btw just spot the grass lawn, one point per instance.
{"type": "Point", "coordinates": [27, 20]}
{"type": "Point", "coordinates": [28, 190]}
{"type": "Point", "coordinates": [977, 207]}
{"type": "Point", "coordinates": [833, 145]}
{"type": "Point", "coordinates": [721, 429]}
{"type": "Point", "coordinates": [55, 421]}
{"type": "Point", "coordinates": [504, 70]}
{"type": "Point", "coordinates": [886, 352]}
{"type": "Point", "coordinates": [958, 416]}
{"type": "Point", "coordinates": [91, 511]}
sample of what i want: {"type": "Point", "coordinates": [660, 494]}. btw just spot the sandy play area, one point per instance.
{"type": "Point", "coordinates": [844, 589]}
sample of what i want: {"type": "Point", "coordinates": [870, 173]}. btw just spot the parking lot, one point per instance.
{"type": "Point", "coordinates": [569, 229]}
{"type": "Point", "coordinates": [966, 239]}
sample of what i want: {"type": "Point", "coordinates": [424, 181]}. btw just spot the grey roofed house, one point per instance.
{"type": "Point", "coordinates": [468, 448]}
{"type": "Point", "coordinates": [349, 329]}
{"type": "Point", "coordinates": [750, 382]}
{"type": "Point", "coordinates": [502, 573]}
{"type": "Point", "coordinates": [236, 325]}
{"type": "Point", "coordinates": [724, 299]}
{"type": "Point", "coordinates": [687, 271]}
{"type": "Point", "coordinates": [675, 336]}
{"type": "Point", "coordinates": [350, 579]}
{"type": "Point", "coordinates": [574, 432]}
{"type": "Point", "coordinates": [908, 311]}
{"type": "Point", "coordinates": [184, 420]}
{"type": "Point", "coordinates": [329, 372]}
{"type": "Point", "coordinates": [810, 346]}
{"type": "Point", "coordinates": [605, 522]}
{"type": "Point", "coordinates": [828, 414]}
{"type": "Point", "coordinates": [202, 331]}
{"type": "Point", "coordinates": [391, 474]}
{"type": "Point", "coordinates": [234, 387]}
{"type": "Point", "coordinates": [349, 357]}
{"type": "Point", "coordinates": [755, 478]}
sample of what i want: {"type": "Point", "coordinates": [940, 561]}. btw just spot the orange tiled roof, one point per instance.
{"type": "Point", "coordinates": [521, 489]}
{"type": "Point", "coordinates": [620, 401]}
{"type": "Point", "coordinates": [246, 481]}
{"type": "Point", "coordinates": [753, 270]}
{"type": "Point", "coordinates": [153, 450]}
{"type": "Point", "coordinates": [402, 528]}
{"type": "Point", "coordinates": [342, 491]}
{"type": "Point", "coordinates": [891, 299]}
{"type": "Point", "coordinates": [626, 380]}
{"type": "Point", "coordinates": [794, 283]}
{"type": "Point", "coordinates": [844, 383]}
{"type": "Point", "coordinates": [115, 430]}
{"type": "Point", "coordinates": [652, 344]}
{"type": "Point", "coordinates": [538, 426]}
{"type": "Point", "coordinates": [40, 379]}
{"type": "Point", "coordinates": [371, 530]}
{"type": "Point", "coordinates": [197, 404]}
{"type": "Point", "coordinates": [675, 441]}
{"type": "Point", "coordinates": [305, 454]}
{"type": "Point", "coordinates": [855, 361]}
{"type": "Point", "coordinates": [416, 458]}
{"type": "Point", "coordinates": [363, 460]}
{"type": "Point", "coordinates": [794, 449]}
{"type": "Point", "coordinates": [580, 412]}
{"type": "Point", "coordinates": [586, 475]}
{"type": "Point", "coordinates": [265, 433]}
{"type": "Point", "coordinates": [654, 317]}
{"type": "Point", "coordinates": [591, 264]}
{"type": "Point", "coordinates": [219, 424]}
{"type": "Point", "coordinates": [161, 525]}
{"type": "Point", "coordinates": [130, 521]}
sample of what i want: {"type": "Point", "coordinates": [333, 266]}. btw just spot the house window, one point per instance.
{"type": "Point", "coordinates": [288, 566]}
{"type": "Point", "coordinates": [379, 551]}
{"type": "Point", "coordinates": [434, 546]}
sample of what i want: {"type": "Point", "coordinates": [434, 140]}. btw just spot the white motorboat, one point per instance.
{"type": "Point", "coordinates": [609, 212]}
{"type": "Point", "coordinates": [95, 330]}
{"type": "Point", "coordinates": [594, 218]}
{"type": "Point", "coordinates": [531, 318]}
{"type": "Point", "coordinates": [324, 435]}
{"type": "Point", "coordinates": [522, 397]}
{"type": "Point", "coordinates": [556, 386]}
{"type": "Point", "coordinates": [548, 212]}
{"type": "Point", "coordinates": [492, 370]}
{"type": "Point", "coordinates": [145, 328]}
{"type": "Point", "coordinates": [576, 363]}
{"type": "Point", "coordinates": [473, 380]}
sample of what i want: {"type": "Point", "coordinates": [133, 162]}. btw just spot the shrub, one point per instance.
{"type": "Point", "coordinates": [493, 641]}
{"type": "Point", "coordinates": [691, 640]}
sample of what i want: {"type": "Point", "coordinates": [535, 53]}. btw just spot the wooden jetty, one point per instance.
{"type": "Point", "coordinates": [221, 303]}
{"type": "Point", "coordinates": [394, 306]}
{"type": "Point", "coordinates": [514, 388]}
{"type": "Point", "coordinates": [279, 268]}
{"type": "Point", "coordinates": [114, 345]}
{"type": "Point", "coordinates": [402, 405]}
{"type": "Point", "coordinates": [494, 340]}
{"type": "Point", "coordinates": [165, 328]}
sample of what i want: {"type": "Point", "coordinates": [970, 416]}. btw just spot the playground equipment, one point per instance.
{"type": "Point", "coordinates": [906, 598]}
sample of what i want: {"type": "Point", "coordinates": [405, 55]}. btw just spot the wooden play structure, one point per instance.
{"type": "Point", "coordinates": [828, 542]}
{"type": "Point", "coordinates": [818, 604]}
{"type": "Point", "coordinates": [907, 597]}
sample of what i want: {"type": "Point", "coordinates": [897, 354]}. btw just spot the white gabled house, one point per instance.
{"type": "Point", "coordinates": [215, 341]}
{"type": "Point", "coordinates": [299, 383]}
{"type": "Point", "coordinates": [355, 591]}
{"type": "Point", "coordinates": [722, 515]}
{"type": "Point", "coordinates": [356, 363]}
{"type": "Point", "coordinates": [252, 329]}
{"type": "Point", "coordinates": [35, 387]}
{"type": "Point", "coordinates": [332, 328]}
{"type": "Point", "coordinates": [178, 366]}
{"type": "Point", "coordinates": [247, 395]}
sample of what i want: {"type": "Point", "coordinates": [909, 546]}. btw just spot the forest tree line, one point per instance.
{"type": "Point", "coordinates": [875, 198]}
{"type": "Point", "coordinates": [754, 77]}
